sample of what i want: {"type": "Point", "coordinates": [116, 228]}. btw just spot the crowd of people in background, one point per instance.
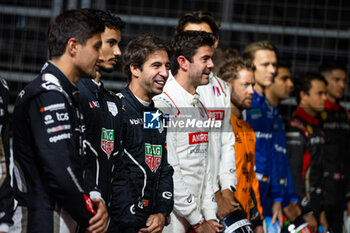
{"type": "Point", "coordinates": [194, 143]}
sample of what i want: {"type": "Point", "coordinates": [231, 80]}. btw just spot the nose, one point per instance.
{"type": "Point", "coordinates": [101, 57]}
{"type": "Point", "coordinates": [251, 90]}
{"type": "Point", "coordinates": [290, 83]}
{"type": "Point", "coordinates": [210, 63]}
{"type": "Point", "coordinates": [342, 84]}
{"type": "Point", "coordinates": [164, 71]}
{"type": "Point", "coordinates": [272, 69]}
{"type": "Point", "coordinates": [117, 52]}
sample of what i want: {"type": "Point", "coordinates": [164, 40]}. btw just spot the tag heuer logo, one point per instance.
{"type": "Point", "coordinates": [107, 141]}
{"type": "Point", "coordinates": [153, 156]}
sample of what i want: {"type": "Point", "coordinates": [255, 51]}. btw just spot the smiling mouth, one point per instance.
{"type": "Point", "coordinates": [160, 82]}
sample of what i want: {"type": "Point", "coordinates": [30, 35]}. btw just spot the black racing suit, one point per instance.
{"type": "Point", "coordinates": [335, 122]}
{"type": "Point", "coordinates": [143, 183]}
{"type": "Point", "coordinates": [48, 154]}
{"type": "Point", "coordinates": [101, 111]}
{"type": "Point", "coordinates": [6, 192]}
{"type": "Point", "coordinates": [305, 141]}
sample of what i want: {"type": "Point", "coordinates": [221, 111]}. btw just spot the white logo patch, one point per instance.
{"type": "Point", "coordinates": [62, 116]}
{"type": "Point", "coordinates": [112, 107]}
{"type": "Point", "coordinates": [48, 119]}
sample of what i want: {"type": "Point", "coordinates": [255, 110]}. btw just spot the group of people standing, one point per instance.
{"type": "Point", "coordinates": [181, 148]}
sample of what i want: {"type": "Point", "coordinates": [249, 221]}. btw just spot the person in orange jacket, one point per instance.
{"type": "Point", "coordinates": [239, 76]}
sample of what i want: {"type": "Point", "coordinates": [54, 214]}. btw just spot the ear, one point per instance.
{"type": "Point", "coordinates": [135, 71]}
{"type": "Point", "coordinates": [302, 95]}
{"type": "Point", "coordinates": [72, 46]}
{"type": "Point", "coordinates": [183, 63]}
{"type": "Point", "coordinates": [216, 42]}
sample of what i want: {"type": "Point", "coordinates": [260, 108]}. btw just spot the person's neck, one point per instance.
{"type": "Point", "coordinates": [272, 98]}
{"type": "Point", "coordinates": [259, 89]}
{"type": "Point", "coordinates": [98, 77]}
{"type": "Point", "coordinates": [308, 110]}
{"type": "Point", "coordinates": [183, 80]}
{"type": "Point", "coordinates": [65, 65]}
{"type": "Point", "coordinates": [236, 111]}
{"type": "Point", "coordinates": [139, 92]}
{"type": "Point", "coordinates": [332, 99]}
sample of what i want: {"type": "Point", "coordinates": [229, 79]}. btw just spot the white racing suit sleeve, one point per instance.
{"type": "Point", "coordinates": [209, 204]}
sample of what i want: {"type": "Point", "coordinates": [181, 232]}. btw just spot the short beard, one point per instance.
{"type": "Point", "coordinates": [107, 70]}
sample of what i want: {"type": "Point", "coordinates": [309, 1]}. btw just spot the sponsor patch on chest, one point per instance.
{"type": "Point", "coordinates": [107, 141]}
{"type": "Point", "coordinates": [197, 138]}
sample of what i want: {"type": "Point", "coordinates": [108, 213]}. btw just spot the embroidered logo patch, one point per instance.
{"type": "Point", "coordinates": [153, 156]}
{"type": "Point", "coordinates": [107, 141]}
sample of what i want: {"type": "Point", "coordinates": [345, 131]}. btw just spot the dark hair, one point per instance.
{"type": "Point", "coordinates": [328, 66]}
{"type": "Point", "coordinates": [186, 44]}
{"type": "Point", "coordinates": [197, 17]}
{"type": "Point", "coordinates": [138, 50]}
{"type": "Point", "coordinates": [284, 64]}
{"type": "Point", "coordinates": [222, 55]}
{"type": "Point", "coordinates": [79, 24]}
{"type": "Point", "coordinates": [111, 21]}
{"type": "Point", "coordinates": [303, 83]}
{"type": "Point", "coordinates": [250, 49]}
{"type": "Point", "coordinates": [229, 70]}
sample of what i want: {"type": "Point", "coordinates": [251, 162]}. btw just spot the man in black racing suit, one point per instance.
{"type": "Point", "coordinates": [335, 122]}
{"type": "Point", "coordinates": [305, 141]}
{"type": "Point", "coordinates": [143, 187]}
{"type": "Point", "coordinates": [48, 133]}
{"type": "Point", "coordinates": [101, 111]}
{"type": "Point", "coordinates": [6, 192]}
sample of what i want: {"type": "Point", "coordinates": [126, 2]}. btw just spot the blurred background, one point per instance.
{"type": "Point", "coordinates": [305, 32]}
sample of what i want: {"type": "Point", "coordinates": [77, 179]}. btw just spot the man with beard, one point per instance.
{"type": "Point", "coordinates": [101, 111]}
{"type": "Point", "coordinates": [194, 203]}
{"type": "Point", "coordinates": [216, 98]}
{"type": "Point", "coordinates": [305, 145]}
{"type": "Point", "coordinates": [239, 76]}
{"type": "Point", "coordinates": [48, 133]}
{"type": "Point", "coordinates": [335, 121]}
{"type": "Point", "coordinates": [143, 185]}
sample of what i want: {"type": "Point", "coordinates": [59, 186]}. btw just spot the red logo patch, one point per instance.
{"type": "Point", "coordinates": [217, 115]}
{"type": "Point", "coordinates": [199, 137]}
{"type": "Point", "coordinates": [89, 204]}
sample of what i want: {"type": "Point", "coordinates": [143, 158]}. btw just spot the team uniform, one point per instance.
{"type": "Point", "coordinates": [101, 111]}
{"type": "Point", "coordinates": [280, 148]}
{"type": "Point", "coordinates": [6, 192]}
{"type": "Point", "coordinates": [247, 192]}
{"type": "Point", "coordinates": [260, 118]}
{"type": "Point", "coordinates": [48, 155]}
{"type": "Point", "coordinates": [335, 122]}
{"type": "Point", "coordinates": [188, 154]}
{"type": "Point", "coordinates": [216, 97]}
{"type": "Point", "coordinates": [143, 183]}
{"type": "Point", "coordinates": [305, 141]}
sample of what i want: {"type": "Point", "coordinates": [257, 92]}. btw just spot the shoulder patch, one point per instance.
{"type": "Point", "coordinates": [120, 95]}
{"type": "Point", "coordinates": [324, 115]}
{"type": "Point", "coordinates": [295, 123]}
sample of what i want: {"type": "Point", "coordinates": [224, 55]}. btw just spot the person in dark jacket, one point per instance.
{"type": "Point", "coordinates": [143, 188]}
{"type": "Point", "coordinates": [6, 192]}
{"type": "Point", "coordinates": [305, 141]}
{"type": "Point", "coordinates": [49, 133]}
{"type": "Point", "coordinates": [101, 111]}
{"type": "Point", "coordinates": [335, 121]}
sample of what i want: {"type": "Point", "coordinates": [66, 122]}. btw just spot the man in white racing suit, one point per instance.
{"type": "Point", "coordinates": [187, 139]}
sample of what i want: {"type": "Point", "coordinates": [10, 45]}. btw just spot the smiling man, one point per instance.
{"type": "Point", "coordinates": [143, 186]}
{"type": "Point", "coordinates": [101, 111]}
{"type": "Point", "coordinates": [194, 202]}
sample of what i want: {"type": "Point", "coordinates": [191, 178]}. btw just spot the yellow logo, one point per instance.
{"type": "Point", "coordinates": [309, 129]}
{"type": "Point", "coordinates": [324, 115]}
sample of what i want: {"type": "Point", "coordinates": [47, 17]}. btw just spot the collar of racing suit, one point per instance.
{"type": "Point", "coordinates": [306, 116]}
{"type": "Point", "coordinates": [332, 106]}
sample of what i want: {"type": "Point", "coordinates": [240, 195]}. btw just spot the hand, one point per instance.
{"type": "Point", "coordinates": [226, 203]}
{"type": "Point", "coordinates": [311, 220]}
{"type": "Point", "coordinates": [277, 213]}
{"type": "Point", "coordinates": [205, 228]}
{"type": "Point", "coordinates": [323, 220]}
{"type": "Point", "coordinates": [258, 229]}
{"type": "Point", "coordinates": [292, 211]}
{"type": "Point", "coordinates": [217, 226]}
{"type": "Point", "coordinates": [155, 223]}
{"type": "Point", "coordinates": [348, 208]}
{"type": "Point", "coordinates": [99, 223]}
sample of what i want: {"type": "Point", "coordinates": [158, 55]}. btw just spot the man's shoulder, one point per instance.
{"type": "Point", "coordinates": [297, 127]}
